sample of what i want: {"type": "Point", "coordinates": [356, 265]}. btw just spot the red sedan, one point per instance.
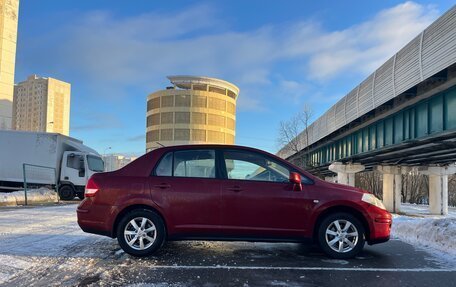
{"type": "Point", "coordinates": [221, 192]}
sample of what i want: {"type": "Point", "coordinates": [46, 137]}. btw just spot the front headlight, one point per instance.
{"type": "Point", "coordinates": [371, 199]}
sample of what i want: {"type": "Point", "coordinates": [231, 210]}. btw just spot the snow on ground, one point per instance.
{"type": "Point", "coordinates": [40, 195]}
{"type": "Point", "coordinates": [45, 244]}
{"type": "Point", "coordinates": [420, 228]}
{"type": "Point", "coordinates": [32, 237]}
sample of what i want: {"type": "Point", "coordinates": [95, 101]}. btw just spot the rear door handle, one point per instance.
{"type": "Point", "coordinates": [162, 186]}
{"type": "Point", "coordinates": [235, 188]}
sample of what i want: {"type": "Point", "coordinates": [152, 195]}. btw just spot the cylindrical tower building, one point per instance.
{"type": "Point", "coordinates": [194, 110]}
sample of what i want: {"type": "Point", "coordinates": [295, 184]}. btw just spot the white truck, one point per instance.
{"type": "Point", "coordinates": [46, 159]}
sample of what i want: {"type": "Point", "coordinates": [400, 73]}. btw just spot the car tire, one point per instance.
{"type": "Point", "coordinates": [133, 235]}
{"type": "Point", "coordinates": [66, 192]}
{"type": "Point", "coordinates": [81, 196]}
{"type": "Point", "coordinates": [341, 235]}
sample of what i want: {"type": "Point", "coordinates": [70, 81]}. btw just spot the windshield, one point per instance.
{"type": "Point", "coordinates": [95, 163]}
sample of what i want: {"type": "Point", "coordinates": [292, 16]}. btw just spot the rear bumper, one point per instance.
{"type": "Point", "coordinates": [95, 218]}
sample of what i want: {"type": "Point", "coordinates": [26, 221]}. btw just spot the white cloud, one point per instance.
{"type": "Point", "coordinates": [113, 53]}
{"type": "Point", "coordinates": [364, 47]}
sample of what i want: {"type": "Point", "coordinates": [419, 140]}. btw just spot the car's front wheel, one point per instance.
{"type": "Point", "coordinates": [141, 232]}
{"type": "Point", "coordinates": [341, 235]}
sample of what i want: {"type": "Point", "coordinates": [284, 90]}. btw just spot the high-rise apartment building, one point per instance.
{"type": "Point", "coordinates": [42, 104]}
{"type": "Point", "coordinates": [9, 10]}
{"type": "Point", "coordinates": [193, 110]}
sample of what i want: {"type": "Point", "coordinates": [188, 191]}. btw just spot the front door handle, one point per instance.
{"type": "Point", "coordinates": [235, 188]}
{"type": "Point", "coordinates": [162, 186]}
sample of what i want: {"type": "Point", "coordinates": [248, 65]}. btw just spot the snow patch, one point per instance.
{"type": "Point", "coordinates": [435, 232]}
{"type": "Point", "coordinates": [40, 195]}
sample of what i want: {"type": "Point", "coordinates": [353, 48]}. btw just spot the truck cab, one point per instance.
{"type": "Point", "coordinates": [76, 168]}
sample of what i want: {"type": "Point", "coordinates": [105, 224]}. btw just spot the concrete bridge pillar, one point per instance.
{"type": "Point", "coordinates": [346, 172]}
{"type": "Point", "coordinates": [438, 187]}
{"type": "Point", "coordinates": [392, 186]}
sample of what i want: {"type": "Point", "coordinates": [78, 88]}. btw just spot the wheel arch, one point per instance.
{"type": "Point", "coordinates": [131, 208]}
{"type": "Point", "coordinates": [337, 209]}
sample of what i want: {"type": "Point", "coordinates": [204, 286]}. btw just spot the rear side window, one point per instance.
{"type": "Point", "coordinates": [165, 167]}
{"type": "Point", "coordinates": [187, 163]}
{"type": "Point", "coordinates": [194, 163]}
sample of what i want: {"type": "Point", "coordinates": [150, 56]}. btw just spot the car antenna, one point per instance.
{"type": "Point", "coordinates": [160, 144]}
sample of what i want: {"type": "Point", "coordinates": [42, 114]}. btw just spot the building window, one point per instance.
{"type": "Point", "coordinates": [217, 90]}
{"type": "Point", "coordinates": [230, 123]}
{"type": "Point", "coordinates": [183, 101]}
{"type": "Point", "coordinates": [216, 120]}
{"type": "Point", "coordinates": [231, 108]}
{"type": "Point", "coordinates": [167, 101]}
{"type": "Point", "coordinates": [216, 137]}
{"type": "Point", "coordinates": [199, 135]}
{"type": "Point", "coordinates": [199, 118]}
{"type": "Point", "coordinates": [199, 101]}
{"type": "Point", "coordinates": [152, 136]}
{"type": "Point", "coordinates": [167, 118]}
{"type": "Point", "coordinates": [182, 117]}
{"type": "Point", "coordinates": [182, 134]}
{"type": "Point", "coordinates": [166, 134]}
{"type": "Point", "coordinates": [217, 104]}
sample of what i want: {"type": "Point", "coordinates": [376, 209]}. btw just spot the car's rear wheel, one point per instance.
{"type": "Point", "coordinates": [341, 235]}
{"type": "Point", "coordinates": [141, 232]}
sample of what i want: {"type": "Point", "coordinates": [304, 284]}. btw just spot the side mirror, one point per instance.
{"type": "Point", "coordinates": [295, 179]}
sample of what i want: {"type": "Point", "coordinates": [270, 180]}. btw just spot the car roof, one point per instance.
{"type": "Point", "coordinates": [210, 146]}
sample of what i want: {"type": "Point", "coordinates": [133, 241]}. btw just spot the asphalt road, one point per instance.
{"type": "Point", "coordinates": [58, 254]}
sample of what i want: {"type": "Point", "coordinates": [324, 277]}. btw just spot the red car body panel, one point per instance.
{"type": "Point", "coordinates": [226, 209]}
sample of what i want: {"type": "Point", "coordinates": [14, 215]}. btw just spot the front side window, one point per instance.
{"type": "Point", "coordinates": [194, 163]}
{"type": "Point", "coordinates": [255, 167]}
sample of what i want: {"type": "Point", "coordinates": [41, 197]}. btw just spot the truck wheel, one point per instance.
{"type": "Point", "coordinates": [141, 232]}
{"type": "Point", "coordinates": [341, 235]}
{"type": "Point", "coordinates": [66, 192]}
{"type": "Point", "coordinates": [81, 195]}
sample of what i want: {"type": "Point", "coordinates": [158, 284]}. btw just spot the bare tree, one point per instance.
{"type": "Point", "coordinates": [294, 134]}
{"type": "Point", "coordinates": [306, 116]}
{"type": "Point", "coordinates": [372, 181]}
{"type": "Point", "coordinates": [415, 187]}
{"type": "Point", "coordinates": [452, 190]}
{"type": "Point", "coordinates": [289, 134]}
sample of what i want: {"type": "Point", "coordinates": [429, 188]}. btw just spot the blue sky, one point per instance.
{"type": "Point", "coordinates": [282, 55]}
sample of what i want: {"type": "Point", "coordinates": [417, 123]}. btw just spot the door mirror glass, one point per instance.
{"type": "Point", "coordinates": [295, 179]}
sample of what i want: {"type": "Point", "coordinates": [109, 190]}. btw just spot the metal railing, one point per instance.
{"type": "Point", "coordinates": [39, 175]}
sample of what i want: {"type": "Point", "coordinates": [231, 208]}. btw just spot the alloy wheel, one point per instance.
{"type": "Point", "coordinates": [140, 233]}
{"type": "Point", "coordinates": [341, 236]}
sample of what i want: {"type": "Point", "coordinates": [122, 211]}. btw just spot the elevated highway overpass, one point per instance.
{"type": "Point", "coordinates": [402, 116]}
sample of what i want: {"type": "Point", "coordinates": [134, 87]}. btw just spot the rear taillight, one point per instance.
{"type": "Point", "coordinates": [91, 188]}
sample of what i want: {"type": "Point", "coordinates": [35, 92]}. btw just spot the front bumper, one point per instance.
{"type": "Point", "coordinates": [379, 225]}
